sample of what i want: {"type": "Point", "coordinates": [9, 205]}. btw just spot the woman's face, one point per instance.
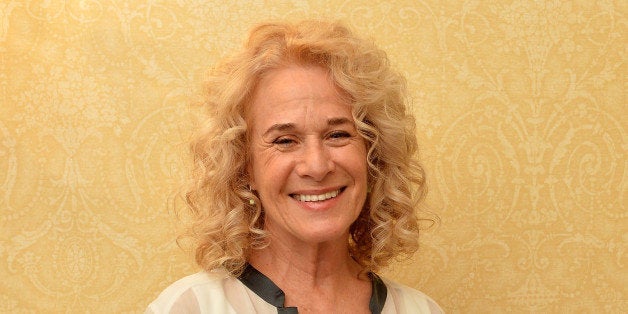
{"type": "Point", "coordinates": [308, 162]}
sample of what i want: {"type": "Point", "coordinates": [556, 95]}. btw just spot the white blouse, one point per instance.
{"type": "Point", "coordinates": [218, 292]}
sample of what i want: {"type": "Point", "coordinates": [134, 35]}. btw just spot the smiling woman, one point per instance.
{"type": "Point", "coordinates": [306, 180]}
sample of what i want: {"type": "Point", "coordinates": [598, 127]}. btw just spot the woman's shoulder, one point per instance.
{"type": "Point", "coordinates": [189, 294]}
{"type": "Point", "coordinates": [201, 280]}
{"type": "Point", "coordinates": [411, 299]}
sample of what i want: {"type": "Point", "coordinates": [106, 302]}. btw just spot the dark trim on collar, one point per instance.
{"type": "Point", "coordinates": [265, 289]}
{"type": "Point", "coordinates": [269, 292]}
{"type": "Point", "coordinates": [378, 294]}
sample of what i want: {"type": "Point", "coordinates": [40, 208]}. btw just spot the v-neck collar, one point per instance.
{"type": "Point", "coordinates": [269, 292]}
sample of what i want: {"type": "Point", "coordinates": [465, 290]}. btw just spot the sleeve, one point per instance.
{"type": "Point", "coordinates": [409, 300]}
{"type": "Point", "coordinates": [184, 303]}
{"type": "Point", "coordinates": [195, 294]}
{"type": "Point", "coordinates": [434, 307]}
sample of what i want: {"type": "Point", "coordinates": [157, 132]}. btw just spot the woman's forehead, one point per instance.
{"type": "Point", "coordinates": [295, 91]}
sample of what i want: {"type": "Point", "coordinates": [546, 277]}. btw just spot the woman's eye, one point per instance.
{"type": "Point", "coordinates": [284, 141]}
{"type": "Point", "coordinates": [339, 134]}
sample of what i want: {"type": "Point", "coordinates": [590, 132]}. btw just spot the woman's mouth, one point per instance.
{"type": "Point", "coordinates": [316, 197]}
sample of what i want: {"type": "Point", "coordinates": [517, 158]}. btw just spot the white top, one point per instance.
{"type": "Point", "coordinates": [206, 292]}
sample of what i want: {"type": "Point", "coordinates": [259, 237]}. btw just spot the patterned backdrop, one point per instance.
{"type": "Point", "coordinates": [522, 115]}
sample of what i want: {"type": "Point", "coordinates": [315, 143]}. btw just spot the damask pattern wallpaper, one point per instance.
{"type": "Point", "coordinates": [522, 116]}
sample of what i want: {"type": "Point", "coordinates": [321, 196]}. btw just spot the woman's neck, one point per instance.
{"type": "Point", "coordinates": [321, 275]}
{"type": "Point", "coordinates": [308, 263]}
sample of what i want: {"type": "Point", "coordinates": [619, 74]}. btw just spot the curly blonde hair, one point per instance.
{"type": "Point", "coordinates": [225, 225]}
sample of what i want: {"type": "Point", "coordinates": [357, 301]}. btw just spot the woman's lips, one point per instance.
{"type": "Point", "coordinates": [317, 197]}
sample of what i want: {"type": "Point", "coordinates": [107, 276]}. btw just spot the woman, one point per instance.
{"type": "Point", "coordinates": [306, 180]}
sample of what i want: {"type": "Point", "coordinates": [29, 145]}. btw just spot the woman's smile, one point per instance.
{"type": "Point", "coordinates": [316, 197]}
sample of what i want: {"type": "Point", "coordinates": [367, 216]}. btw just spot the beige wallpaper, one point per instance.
{"type": "Point", "coordinates": [522, 115]}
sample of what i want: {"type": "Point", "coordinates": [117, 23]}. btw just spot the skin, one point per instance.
{"type": "Point", "coordinates": [304, 142]}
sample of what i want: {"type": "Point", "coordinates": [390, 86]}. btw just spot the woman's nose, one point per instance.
{"type": "Point", "coordinates": [315, 162]}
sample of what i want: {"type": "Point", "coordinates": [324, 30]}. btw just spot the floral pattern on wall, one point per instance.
{"type": "Point", "coordinates": [521, 111]}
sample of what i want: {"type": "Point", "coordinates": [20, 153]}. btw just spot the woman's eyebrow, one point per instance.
{"type": "Point", "coordinates": [339, 121]}
{"type": "Point", "coordinates": [280, 127]}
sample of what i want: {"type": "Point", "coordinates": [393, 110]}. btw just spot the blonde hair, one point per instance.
{"type": "Point", "coordinates": [225, 225]}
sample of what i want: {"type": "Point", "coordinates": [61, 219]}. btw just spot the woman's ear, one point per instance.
{"type": "Point", "coordinates": [249, 170]}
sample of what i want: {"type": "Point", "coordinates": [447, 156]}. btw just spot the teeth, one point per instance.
{"type": "Point", "coordinates": [316, 198]}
